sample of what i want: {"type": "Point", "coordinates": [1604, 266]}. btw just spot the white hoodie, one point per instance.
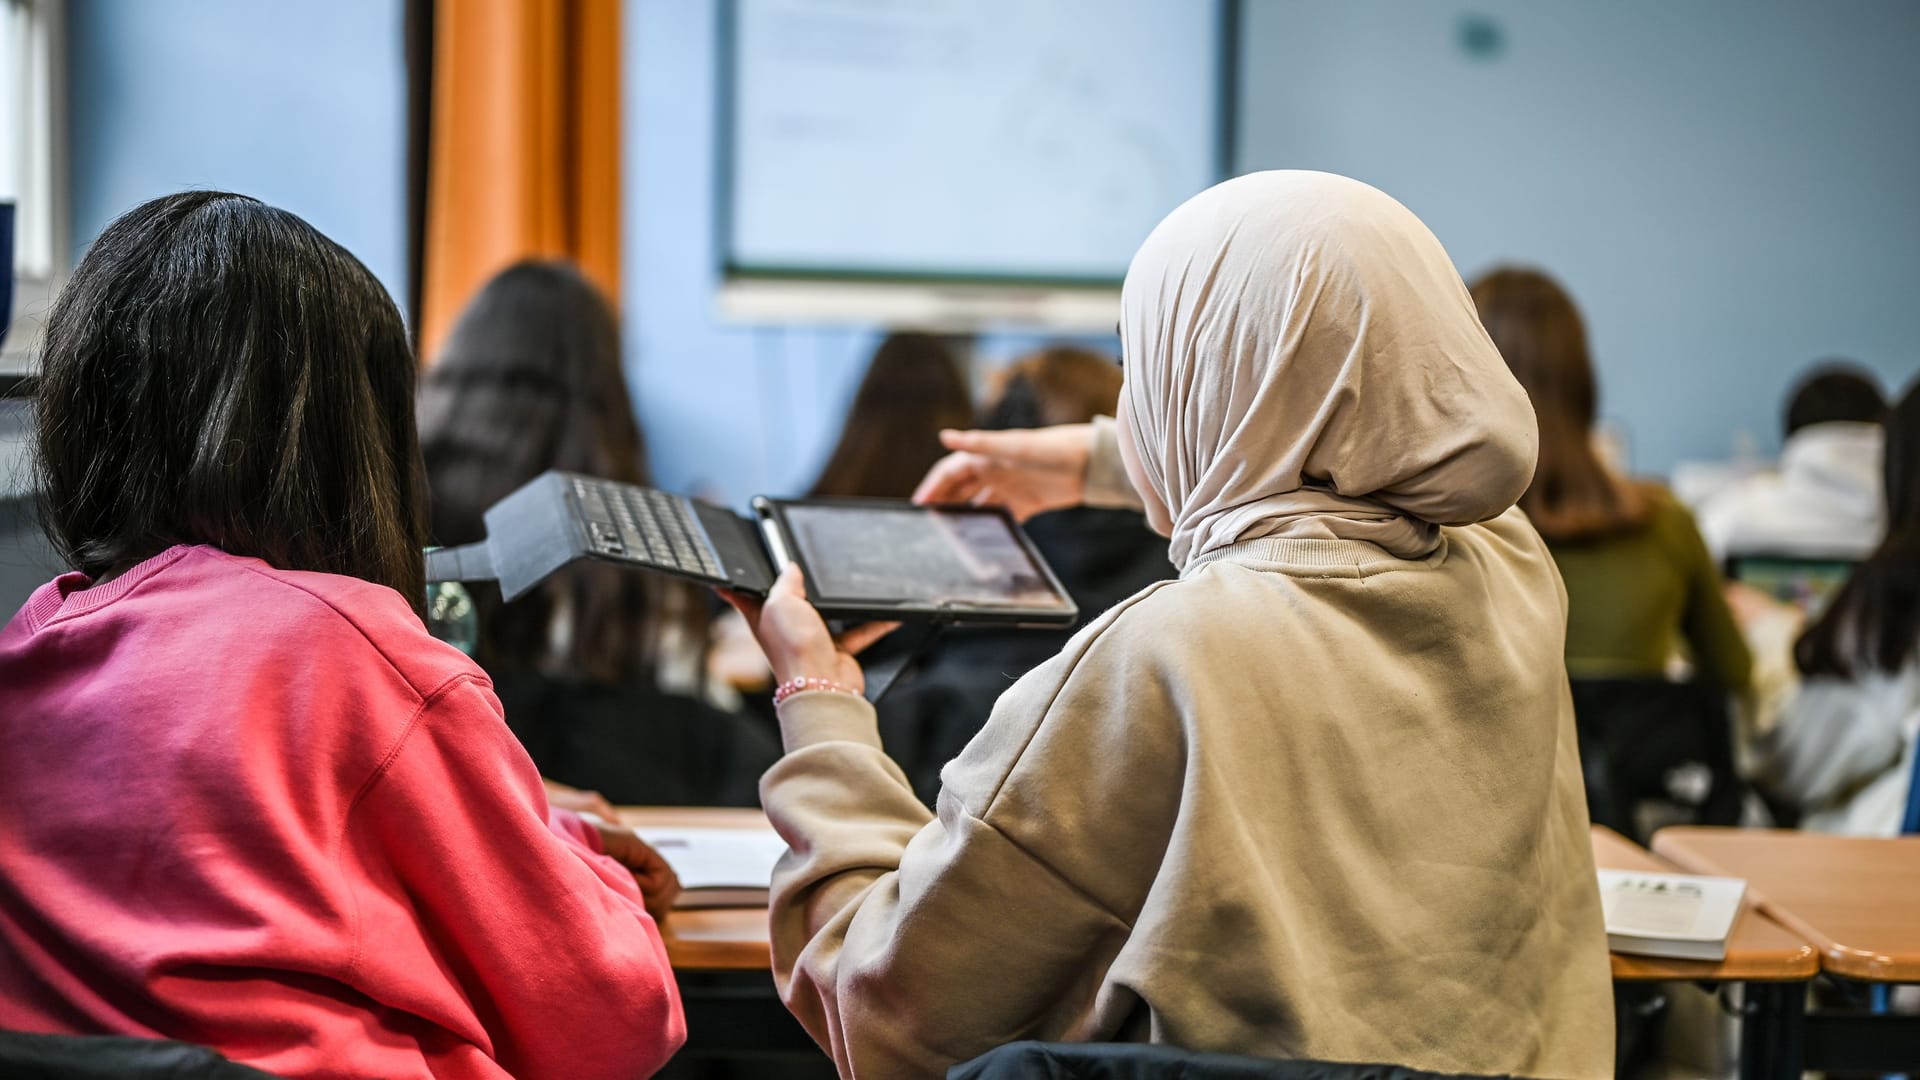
{"type": "Point", "coordinates": [1823, 502]}
{"type": "Point", "coordinates": [1843, 750]}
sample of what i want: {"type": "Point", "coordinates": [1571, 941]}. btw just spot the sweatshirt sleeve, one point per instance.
{"type": "Point", "coordinates": [907, 941]}
{"type": "Point", "coordinates": [1107, 483]}
{"type": "Point", "coordinates": [499, 918]}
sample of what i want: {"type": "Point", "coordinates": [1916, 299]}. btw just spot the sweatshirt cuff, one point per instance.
{"type": "Point", "coordinates": [1107, 484]}
{"type": "Point", "coordinates": [571, 826]}
{"type": "Point", "coordinates": [818, 716]}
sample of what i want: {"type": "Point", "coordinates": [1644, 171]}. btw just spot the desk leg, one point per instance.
{"type": "Point", "coordinates": [1773, 1023]}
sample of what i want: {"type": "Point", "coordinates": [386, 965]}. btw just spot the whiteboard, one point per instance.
{"type": "Point", "coordinates": [1034, 141]}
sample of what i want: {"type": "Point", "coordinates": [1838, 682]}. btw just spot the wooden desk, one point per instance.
{"type": "Point", "coordinates": [1758, 949]}
{"type": "Point", "coordinates": [1773, 964]}
{"type": "Point", "coordinates": [736, 939]}
{"type": "Point", "coordinates": [1856, 899]}
{"type": "Point", "coordinates": [723, 960]}
{"type": "Point", "coordinates": [710, 939]}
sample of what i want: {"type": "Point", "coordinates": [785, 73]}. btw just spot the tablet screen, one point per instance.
{"type": "Point", "coordinates": [895, 554]}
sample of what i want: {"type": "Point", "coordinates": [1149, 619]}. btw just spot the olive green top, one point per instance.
{"type": "Point", "coordinates": [1636, 598]}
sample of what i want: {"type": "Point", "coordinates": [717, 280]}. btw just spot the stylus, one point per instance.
{"type": "Point", "coordinates": [775, 545]}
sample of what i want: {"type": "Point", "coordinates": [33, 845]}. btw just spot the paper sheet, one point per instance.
{"type": "Point", "coordinates": [709, 858]}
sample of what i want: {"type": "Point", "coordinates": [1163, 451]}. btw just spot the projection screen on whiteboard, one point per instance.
{"type": "Point", "coordinates": [959, 162]}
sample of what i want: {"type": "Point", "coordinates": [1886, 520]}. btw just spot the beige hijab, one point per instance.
{"type": "Point", "coordinates": [1303, 361]}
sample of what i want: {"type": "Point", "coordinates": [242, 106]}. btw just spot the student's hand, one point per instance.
{"type": "Point", "coordinates": [734, 657]}
{"type": "Point", "coordinates": [659, 887]}
{"type": "Point", "coordinates": [578, 801]}
{"type": "Point", "coordinates": [1753, 606]}
{"type": "Point", "coordinates": [1028, 472]}
{"type": "Point", "coordinates": [795, 637]}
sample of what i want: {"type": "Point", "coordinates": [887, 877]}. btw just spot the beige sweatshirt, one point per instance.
{"type": "Point", "coordinates": [1309, 800]}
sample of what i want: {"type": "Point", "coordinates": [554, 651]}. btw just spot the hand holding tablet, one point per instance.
{"type": "Point", "coordinates": [796, 640]}
{"type": "Point", "coordinates": [884, 559]}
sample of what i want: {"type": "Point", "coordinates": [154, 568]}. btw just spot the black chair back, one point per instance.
{"type": "Point", "coordinates": [113, 1057]}
{"type": "Point", "coordinates": [1649, 743]}
{"type": "Point", "coordinates": [1140, 1061]}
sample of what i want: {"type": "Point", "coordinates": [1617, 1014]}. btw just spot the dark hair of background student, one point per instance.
{"type": "Point", "coordinates": [913, 387]}
{"type": "Point", "coordinates": [1538, 330]}
{"type": "Point", "coordinates": [1873, 623]}
{"type": "Point", "coordinates": [1060, 384]}
{"type": "Point", "coordinates": [1834, 390]}
{"type": "Point", "coordinates": [218, 372]}
{"type": "Point", "coordinates": [530, 379]}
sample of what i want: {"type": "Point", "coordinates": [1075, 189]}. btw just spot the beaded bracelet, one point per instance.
{"type": "Point", "coordinates": [808, 682]}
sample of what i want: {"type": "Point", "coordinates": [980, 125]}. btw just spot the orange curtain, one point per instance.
{"type": "Point", "coordinates": [523, 147]}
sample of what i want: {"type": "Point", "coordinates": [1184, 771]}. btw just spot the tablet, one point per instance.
{"type": "Point", "coordinates": [888, 559]}
{"type": "Point", "coordinates": [864, 558]}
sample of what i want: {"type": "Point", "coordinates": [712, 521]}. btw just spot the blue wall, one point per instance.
{"type": "Point", "coordinates": [1727, 187]}
{"type": "Point", "coordinates": [1730, 188]}
{"type": "Point", "coordinates": [728, 411]}
{"type": "Point", "coordinates": [299, 102]}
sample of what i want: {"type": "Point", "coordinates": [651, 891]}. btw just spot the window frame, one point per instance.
{"type": "Point", "coordinates": [41, 221]}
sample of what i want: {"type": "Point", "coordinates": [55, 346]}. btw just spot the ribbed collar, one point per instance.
{"type": "Point", "coordinates": [1316, 558]}
{"type": "Point", "coordinates": [75, 594]}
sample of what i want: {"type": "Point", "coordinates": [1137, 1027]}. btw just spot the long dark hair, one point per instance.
{"type": "Point", "coordinates": [1873, 623]}
{"type": "Point", "coordinates": [218, 372]}
{"type": "Point", "coordinates": [530, 379]}
{"type": "Point", "coordinates": [912, 389]}
{"type": "Point", "coordinates": [1539, 332]}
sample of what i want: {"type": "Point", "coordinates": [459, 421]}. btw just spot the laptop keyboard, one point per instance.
{"type": "Point", "coordinates": [645, 526]}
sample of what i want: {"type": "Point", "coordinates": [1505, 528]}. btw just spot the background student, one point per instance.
{"type": "Point", "coordinates": [912, 390]}
{"type": "Point", "coordinates": [1640, 584]}
{"type": "Point", "coordinates": [602, 670]}
{"type": "Point", "coordinates": [306, 837]}
{"type": "Point", "coordinates": [1823, 500]}
{"type": "Point", "coordinates": [1842, 748]}
{"type": "Point", "coordinates": [1286, 805]}
{"type": "Point", "coordinates": [1102, 556]}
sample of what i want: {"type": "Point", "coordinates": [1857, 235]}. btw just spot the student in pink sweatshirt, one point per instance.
{"type": "Point", "coordinates": [245, 799]}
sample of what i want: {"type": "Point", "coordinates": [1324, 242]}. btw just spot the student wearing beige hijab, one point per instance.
{"type": "Point", "coordinates": [1317, 798]}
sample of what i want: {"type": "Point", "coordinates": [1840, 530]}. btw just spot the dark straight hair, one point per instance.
{"type": "Point", "coordinates": [913, 387]}
{"type": "Point", "coordinates": [218, 372]}
{"type": "Point", "coordinates": [530, 379]}
{"type": "Point", "coordinates": [1873, 623]}
{"type": "Point", "coordinates": [1834, 390]}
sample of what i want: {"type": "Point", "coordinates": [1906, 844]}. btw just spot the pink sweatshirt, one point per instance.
{"type": "Point", "coordinates": [264, 811]}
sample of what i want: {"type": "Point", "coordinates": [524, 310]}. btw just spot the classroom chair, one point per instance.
{"type": "Point", "coordinates": [1141, 1061]}
{"type": "Point", "coordinates": [1650, 747]}
{"type": "Point", "coordinates": [113, 1057]}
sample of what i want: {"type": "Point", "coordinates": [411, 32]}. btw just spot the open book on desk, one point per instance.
{"type": "Point", "coordinates": [1680, 916]}
{"type": "Point", "coordinates": [718, 867]}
